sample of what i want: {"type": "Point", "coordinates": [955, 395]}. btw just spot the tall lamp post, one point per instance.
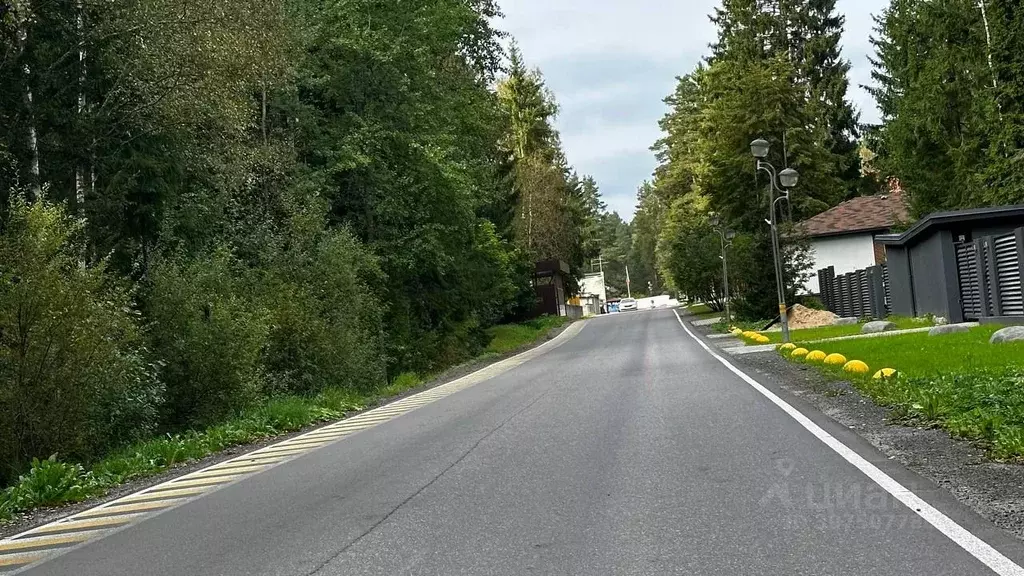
{"type": "Point", "coordinates": [727, 237]}
{"type": "Point", "coordinates": [778, 189]}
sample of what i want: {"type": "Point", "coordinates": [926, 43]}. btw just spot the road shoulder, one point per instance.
{"type": "Point", "coordinates": [955, 477]}
{"type": "Point", "coordinates": [42, 516]}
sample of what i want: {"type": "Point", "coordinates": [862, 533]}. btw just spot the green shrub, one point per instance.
{"type": "Point", "coordinates": [326, 329]}
{"type": "Point", "coordinates": [812, 302]}
{"type": "Point", "coordinates": [49, 483]}
{"type": "Point", "coordinates": [73, 377]}
{"type": "Point", "coordinates": [209, 332]}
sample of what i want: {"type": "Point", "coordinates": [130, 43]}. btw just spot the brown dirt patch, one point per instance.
{"type": "Point", "coordinates": [801, 316]}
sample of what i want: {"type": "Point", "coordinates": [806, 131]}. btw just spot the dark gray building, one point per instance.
{"type": "Point", "coordinates": [963, 265]}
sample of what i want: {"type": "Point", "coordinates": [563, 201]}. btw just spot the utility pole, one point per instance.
{"type": "Point", "coordinates": [629, 293]}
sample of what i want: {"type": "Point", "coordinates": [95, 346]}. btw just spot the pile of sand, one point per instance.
{"type": "Point", "coordinates": [801, 316]}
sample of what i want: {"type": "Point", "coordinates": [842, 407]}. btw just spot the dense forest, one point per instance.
{"type": "Point", "coordinates": [203, 204]}
{"type": "Point", "coordinates": [946, 77]}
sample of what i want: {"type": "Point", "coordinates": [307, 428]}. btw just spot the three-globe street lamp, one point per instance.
{"type": "Point", "coordinates": [727, 237]}
{"type": "Point", "coordinates": [781, 183]}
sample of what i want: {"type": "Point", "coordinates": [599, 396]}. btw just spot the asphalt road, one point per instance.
{"type": "Point", "coordinates": [627, 450]}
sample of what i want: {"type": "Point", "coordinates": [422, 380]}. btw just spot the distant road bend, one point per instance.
{"type": "Point", "coordinates": [623, 449]}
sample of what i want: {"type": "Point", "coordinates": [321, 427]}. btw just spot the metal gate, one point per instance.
{"type": "Point", "coordinates": [967, 271]}
{"type": "Point", "coordinates": [1008, 278]}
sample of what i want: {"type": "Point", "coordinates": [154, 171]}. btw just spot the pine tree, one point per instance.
{"type": "Point", "coordinates": [807, 35]}
{"type": "Point", "coordinates": [933, 86]}
{"type": "Point", "coordinates": [1003, 22]}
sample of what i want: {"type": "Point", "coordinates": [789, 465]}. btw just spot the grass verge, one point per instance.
{"type": "Point", "coordinates": [508, 337]}
{"type": "Point", "coordinates": [958, 382]}
{"type": "Point", "coordinates": [822, 333]}
{"type": "Point", "coordinates": [702, 311]}
{"type": "Point", "coordinates": [825, 332]}
{"type": "Point", "coordinates": [51, 482]}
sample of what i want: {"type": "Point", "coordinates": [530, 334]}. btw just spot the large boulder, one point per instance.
{"type": "Point", "coordinates": [1009, 334]}
{"type": "Point", "coordinates": [877, 327]}
{"type": "Point", "coordinates": [848, 321]}
{"type": "Point", "coordinates": [949, 329]}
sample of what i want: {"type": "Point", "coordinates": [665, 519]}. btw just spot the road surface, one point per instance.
{"type": "Point", "coordinates": [626, 450]}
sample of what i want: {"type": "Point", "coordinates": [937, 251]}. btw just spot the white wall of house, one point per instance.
{"type": "Point", "coordinates": [593, 285]}
{"type": "Point", "coordinates": [847, 253]}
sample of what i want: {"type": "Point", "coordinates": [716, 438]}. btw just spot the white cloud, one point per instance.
{"type": "Point", "coordinates": [611, 62]}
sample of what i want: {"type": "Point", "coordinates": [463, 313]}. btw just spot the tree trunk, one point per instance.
{"type": "Point", "coordinates": [22, 17]}
{"type": "Point", "coordinates": [263, 122]}
{"type": "Point", "coordinates": [988, 41]}
{"type": "Point", "coordinates": [79, 176]}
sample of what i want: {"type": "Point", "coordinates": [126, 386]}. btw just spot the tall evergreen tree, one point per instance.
{"type": "Point", "coordinates": [807, 35]}
{"type": "Point", "coordinates": [933, 86]}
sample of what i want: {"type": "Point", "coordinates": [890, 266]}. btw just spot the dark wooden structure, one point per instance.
{"type": "Point", "coordinates": [550, 278]}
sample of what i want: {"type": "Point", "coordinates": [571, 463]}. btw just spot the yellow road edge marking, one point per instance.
{"type": "Point", "coordinates": [296, 446]}
{"type": "Point", "coordinates": [227, 471]}
{"type": "Point", "coordinates": [263, 458]}
{"type": "Point", "coordinates": [44, 541]}
{"type": "Point", "coordinates": [289, 449]}
{"type": "Point", "coordinates": [19, 559]}
{"type": "Point", "coordinates": [93, 523]}
{"type": "Point", "coordinates": [292, 451]}
{"type": "Point", "coordinates": [360, 424]}
{"type": "Point", "coordinates": [333, 435]}
{"type": "Point", "coordinates": [309, 442]}
{"type": "Point", "coordinates": [374, 420]}
{"type": "Point", "coordinates": [137, 507]}
{"type": "Point", "coordinates": [163, 495]}
{"type": "Point", "coordinates": [241, 463]}
{"type": "Point", "coordinates": [186, 481]}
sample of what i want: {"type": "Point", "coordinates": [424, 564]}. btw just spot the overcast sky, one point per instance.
{"type": "Point", "coordinates": [611, 62]}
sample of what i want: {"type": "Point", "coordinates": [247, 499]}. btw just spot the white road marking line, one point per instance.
{"type": "Point", "coordinates": [973, 545]}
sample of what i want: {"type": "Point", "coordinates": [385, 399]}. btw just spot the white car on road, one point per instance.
{"type": "Point", "coordinates": [627, 305]}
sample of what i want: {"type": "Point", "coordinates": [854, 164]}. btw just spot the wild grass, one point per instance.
{"type": "Point", "coordinates": [508, 337]}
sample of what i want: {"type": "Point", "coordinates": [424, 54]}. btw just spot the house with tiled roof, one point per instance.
{"type": "Point", "coordinates": [844, 236]}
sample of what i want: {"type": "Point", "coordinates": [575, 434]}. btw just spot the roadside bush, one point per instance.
{"type": "Point", "coordinates": [50, 483]}
{"type": "Point", "coordinates": [326, 324]}
{"type": "Point", "coordinates": [209, 332]}
{"type": "Point", "coordinates": [73, 375]}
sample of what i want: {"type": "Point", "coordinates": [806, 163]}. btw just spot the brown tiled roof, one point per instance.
{"type": "Point", "coordinates": [860, 214]}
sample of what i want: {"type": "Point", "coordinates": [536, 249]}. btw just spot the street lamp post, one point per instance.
{"type": "Point", "coordinates": [788, 179]}
{"type": "Point", "coordinates": [727, 237]}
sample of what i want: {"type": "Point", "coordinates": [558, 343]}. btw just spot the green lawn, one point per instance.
{"type": "Point", "coordinates": [702, 311]}
{"type": "Point", "coordinates": [958, 382]}
{"type": "Point", "coordinates": [923, 355]}
{"type": "Point", "coordinates": [825, 332]}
